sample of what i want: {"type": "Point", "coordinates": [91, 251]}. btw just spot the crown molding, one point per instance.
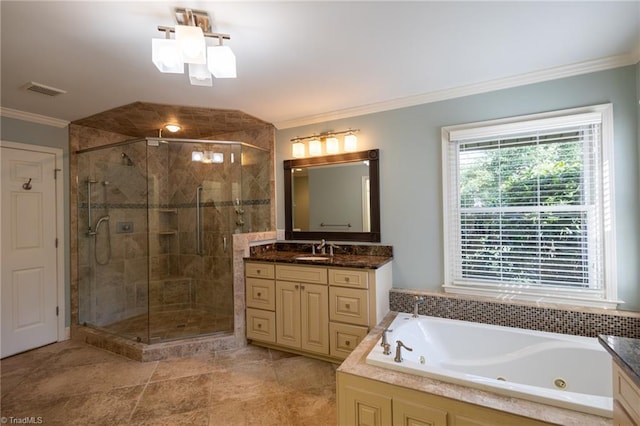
{"type": "Point", "coordinates": [33, 118]}
{"type": "Point", "coordinates": [472, 89]}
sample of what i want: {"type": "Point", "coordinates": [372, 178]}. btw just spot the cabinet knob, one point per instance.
{"type": "Point", "coordinates": [302, 287]}
{"type": "Point", "coordinates": [296, 286]}
{"type": "Point", "coordinates": [259, 294]}
{"type": "Point", "coordinates": [346, 279]}
{"type": "Point", "coordinates": [259, 325]}
{"type": "Point", "coordinates": [347, 305]}
{"type": "Point", "coordinates": [258, 271]}
{"type": "Point", "coordinates": [348, 343]}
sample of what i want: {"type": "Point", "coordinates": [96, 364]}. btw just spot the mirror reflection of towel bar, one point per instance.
{"type": "Point", "coordinates": [348, 225]}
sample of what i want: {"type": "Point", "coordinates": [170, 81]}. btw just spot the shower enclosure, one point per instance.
{"type": "Point", "coordinates": [155, 224]}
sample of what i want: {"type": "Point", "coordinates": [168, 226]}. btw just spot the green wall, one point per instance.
{"type": "Point", "coordinates": [410, 167]}
{"type": "Point", "coordinates": [13, 130]}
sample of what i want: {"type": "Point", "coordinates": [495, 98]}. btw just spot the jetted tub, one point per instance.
{"type": "Point", "coordinates": [556, 369]}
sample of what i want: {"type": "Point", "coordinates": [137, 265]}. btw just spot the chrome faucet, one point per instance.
{"type": "Point", "coordinates": [322, 246]}
{"type": "Point", "coordinates": [417, 300]}
{"type": "Point", "coordinates": [399, 347]}
{"type": "Point", "coordinates": [385, 344]}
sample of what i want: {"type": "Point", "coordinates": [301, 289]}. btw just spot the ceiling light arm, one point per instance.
{"type": "Point", "coordinates": [219, 36]}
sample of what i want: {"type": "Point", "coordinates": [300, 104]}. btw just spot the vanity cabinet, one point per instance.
{"type": "Point", "coordinates": [316, 310]}
{"type": "Point", "coordinates": [363, 401]}
{"type": "Point", "coordinates": [626, 399]}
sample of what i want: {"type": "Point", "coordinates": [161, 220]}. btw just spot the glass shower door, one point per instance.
{"type": "Point", "coordinates": [112, 240]}
{"type": "Point", "coordinates": [190, 201]}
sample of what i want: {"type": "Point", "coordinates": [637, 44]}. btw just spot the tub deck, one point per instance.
{"type": "Point", "coordinates": [356, 365]}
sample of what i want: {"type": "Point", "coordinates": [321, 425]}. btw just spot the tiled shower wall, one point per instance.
{"type": "Point", "coordinates": [584, 322]}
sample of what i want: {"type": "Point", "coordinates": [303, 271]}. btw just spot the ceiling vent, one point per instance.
{"type": "Point", "coordinates": [42, 89]}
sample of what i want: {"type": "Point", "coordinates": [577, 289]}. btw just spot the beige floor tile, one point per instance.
{"type": "Point", "coordinates": [186, 394]}
{"type": "Point", "coordinates": [191, 418]}
{"type": "Point", "coordinates": [72, 380]}
{"type": "Point", "coordinates": [245, 380]}
{"type": "Point", "coordinates": [304, 373]}
{"type": "Point", "coordinates": [101, 409]}
{"type": "Point", "coordinates": [263, 411]}
{"type": "Point", "coordinates": [313, 407]}
{"type": "Point", "coordinates": [184, 367]}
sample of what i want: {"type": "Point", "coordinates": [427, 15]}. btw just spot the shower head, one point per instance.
{"type": "Point", "coordinates": [126, 160]}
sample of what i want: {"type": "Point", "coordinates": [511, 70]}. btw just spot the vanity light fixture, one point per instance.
{"type": "Point", "coordinates": [189, 47]}
{"type": "Point", "coordinates": [332, 143]}
{"type": "Point", "coordinates": [172, 127]}
{"type": "Point", "coordinates": [297, 149]}
{"type": "Point", "coordinates": [350, 142]}
{"type": "Point", "coordinates": [315, 147]}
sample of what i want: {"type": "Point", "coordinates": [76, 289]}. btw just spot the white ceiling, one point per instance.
{"type": "Point", "coordinates": [304, 61]}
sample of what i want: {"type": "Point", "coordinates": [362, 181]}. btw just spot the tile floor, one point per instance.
{"type": "Point", "coordinates": [71, 383]}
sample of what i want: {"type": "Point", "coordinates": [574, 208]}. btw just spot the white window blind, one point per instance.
{"type": "Point", "coordinates": [525, 206]}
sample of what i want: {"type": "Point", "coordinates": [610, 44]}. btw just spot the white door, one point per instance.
{"type": "Point", "coordinates": [29, 287]}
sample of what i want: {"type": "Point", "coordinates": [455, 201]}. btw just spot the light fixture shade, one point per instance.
{"type": "Point", "coordinates": [166, 56]}
{"type": "Point", "coordinates": [172, 127]}
{"type": "Point", "coordinates": [297, 149]}
{"type": "Point", "coordinates": [333, 145]}
{"type": "Point", "coordinates": [191, 43]}
{"type": "Point", "coordinates": [315, 147]}
{"type": "Point", "coordinates": [197, 156]}
{"type": "Point", "coordinates": [199, 75]}
{"type": "Point", "coordinates": [221, 61]}
{"type": "Point", "coordinates": [350, 142]}
{"type": "Point", "coordinates": [217, 157]}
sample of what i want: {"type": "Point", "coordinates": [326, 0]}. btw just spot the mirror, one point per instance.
{"type": "Point", "coordinates": [335, 197]}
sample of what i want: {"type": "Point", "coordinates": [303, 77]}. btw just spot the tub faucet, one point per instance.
{"type": "Point", "coordinates": [417, 301]}
{"type": "Point", "coordinates": [399, 347]}
{"type": "Point", "coordinates": [385, 344]}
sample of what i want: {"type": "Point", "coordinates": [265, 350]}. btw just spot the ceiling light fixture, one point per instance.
{"type": "Point", "coordinates": [331, 141]}
{"type": "Point", "coordinates": [189, 47]}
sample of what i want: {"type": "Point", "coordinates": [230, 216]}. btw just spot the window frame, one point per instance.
{"type": "Point", "coordinates": [600, 298]}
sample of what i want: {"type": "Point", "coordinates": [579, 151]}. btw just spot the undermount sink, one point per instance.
{"type": "Point", "coordinates": [315, 258]}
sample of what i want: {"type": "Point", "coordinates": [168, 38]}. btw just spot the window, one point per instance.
{"type": "Point", "coordinates": [528, 208]}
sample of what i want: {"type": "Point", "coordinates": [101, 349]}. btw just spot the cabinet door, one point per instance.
{"type": "Point", "coordinates": [413, 413]}
{"type": "Point", "coordinates": [288, 313]}
{"type": "Point", "coordinates": [314, 316]}
{"type": "Point", "coordinates": [362, 408]}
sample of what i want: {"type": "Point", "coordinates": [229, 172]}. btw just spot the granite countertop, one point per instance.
{"type": "Point", "coordinates": [340, 260]}
{"type": "Point", "coordinates": [356, 364]}
{"type": "Point", "coordinates": [626, 353]}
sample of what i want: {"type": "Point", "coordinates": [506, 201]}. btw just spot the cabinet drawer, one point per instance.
{"type": "Point", "coordinates": [344, 338]}
{"type": "Point", "coordinates": [261, 325]}
{"type": "Point", "coordinates": [261, 293]}
{"type": "Point", "coordinates": [259, 270]}
{"type": "Point", "coordinates": [349, 278]}
{"type": "Point", "coordinates": [349, 305]}
{"type": "Point", "coordinates": [306, 274]}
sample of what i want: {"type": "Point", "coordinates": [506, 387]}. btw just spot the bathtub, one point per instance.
{"type": "Point", "coordinates": [557, 369]}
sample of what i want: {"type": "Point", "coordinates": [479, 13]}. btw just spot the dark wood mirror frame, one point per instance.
{"type": "Point", "coordinates": [374, 181]}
